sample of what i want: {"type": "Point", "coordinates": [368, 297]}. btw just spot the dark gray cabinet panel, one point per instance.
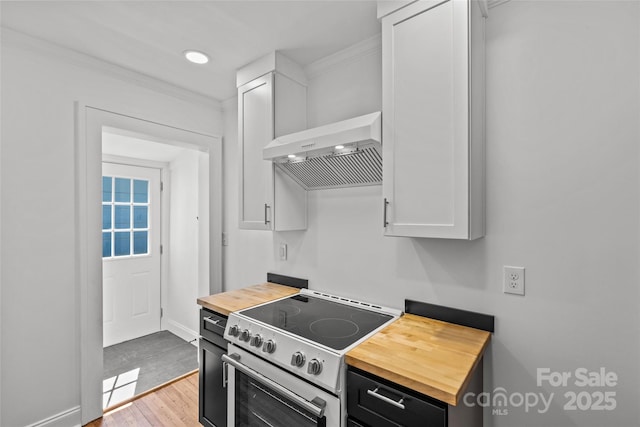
{"type": "Point", "coordinates": [374, 402]}
{"type": "Point", "coordinates": [212, 392]}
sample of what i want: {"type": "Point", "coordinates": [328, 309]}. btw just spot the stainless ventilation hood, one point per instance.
{"type": "Point", "coordinates": [341, 154]}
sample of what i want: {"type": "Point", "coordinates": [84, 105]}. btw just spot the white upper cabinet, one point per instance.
{"type": "Point", "coordinates": [272, 101]}
{"type": "Point", "coordinates": [433, 120]}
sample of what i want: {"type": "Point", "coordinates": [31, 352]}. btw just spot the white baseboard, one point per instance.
{"type": "Point", "coordinates": [68, 418]}
{"type": "Point", "coordinates": [181, 331]}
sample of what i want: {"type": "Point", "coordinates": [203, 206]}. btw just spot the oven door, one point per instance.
{"type": "Point", "coordinates": [261, 394]}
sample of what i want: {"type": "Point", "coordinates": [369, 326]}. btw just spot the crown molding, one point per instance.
{"type": "Point", "coordinates": [359, 50]}
{"type": "Point", "coordinates": [107, 68]}
{"type": "Point", "coordinates": [370, 46]}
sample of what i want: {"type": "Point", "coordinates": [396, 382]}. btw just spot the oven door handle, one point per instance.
{"type": "Point", "coordinates": [316, 406]}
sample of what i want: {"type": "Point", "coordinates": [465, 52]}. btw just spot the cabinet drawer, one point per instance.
{"type": "Point", "coordinates": [212, 327]}
{"type": "Point", "coordinates": [353, 423]}
{"type": "Point", "coordinates": [378, 403]}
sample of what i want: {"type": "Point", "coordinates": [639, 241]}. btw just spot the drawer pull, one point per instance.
{"type": "Point", "coordinates": [210, 320]}
{"type": "Point", "coordinates": [375, 394]}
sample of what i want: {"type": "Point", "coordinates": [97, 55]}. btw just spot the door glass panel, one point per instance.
{"type": "Point", "coordinates": [122, 217]}
{"type": "Point", "coordinates": [257, 405]}
{"type": "Point", "coordinates": [106, 188]}
{"type": "Point", "coordinates": [140, 216]}
{"type": "Point", "coordinates": [123, 190]}
{"type": "Point", "coordinates": [140, 242]}
{"type": "Point", "coordinates": [122, 243]}
{"type": "Point", "coordinates": [106, 217]}
{"type": "Point", "coordinates": [125, 216]}
{"type": "Point", "coordinates": [106, 245]}
{"type": "Point", "coordinates": [140, 191]}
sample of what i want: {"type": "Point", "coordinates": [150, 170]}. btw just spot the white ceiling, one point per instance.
{"type": "Point", "coordinates": [150, 36]}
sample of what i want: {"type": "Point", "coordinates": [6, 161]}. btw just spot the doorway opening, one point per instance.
{"type": "Point", "coordinates": [189, 243]}
{"type": "Point", "coordinates": [154, 200]}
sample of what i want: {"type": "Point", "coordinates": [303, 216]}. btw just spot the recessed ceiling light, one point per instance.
{"type": "Point", "coordinates": [196, 57]}
{"type": "Point", "coordinates": [291, 156]}
{"type": "Point", "coordinates": [339, 147]}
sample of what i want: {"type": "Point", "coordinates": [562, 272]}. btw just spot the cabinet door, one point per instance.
{"type": "Point", "coordinates": [255, 130]}
{"type": "Point", "coordinates": [212, 391]}
{"type": "Point", "coordinates": [426, 120]}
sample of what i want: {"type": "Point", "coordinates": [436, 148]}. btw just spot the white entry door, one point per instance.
{"type": "Point", "coordinates": [130, 252]}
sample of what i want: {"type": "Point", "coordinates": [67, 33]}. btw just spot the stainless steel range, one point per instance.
{"type": "Point", "coordinates": [286, 358]}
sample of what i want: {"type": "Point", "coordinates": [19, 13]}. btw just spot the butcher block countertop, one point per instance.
{"type": "Point", "coordinates": [432, 357]}
{"type": "Point", "coordinates": [227, 302]}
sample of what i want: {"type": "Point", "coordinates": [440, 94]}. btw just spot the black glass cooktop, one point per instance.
{"type": "Point", "coordinates": [329, 323]}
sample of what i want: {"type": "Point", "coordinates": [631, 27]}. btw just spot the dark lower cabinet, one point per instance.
{"type": "Point", "coordinates": [212, 392]}
{"type": "Point", "coordinates": [374, 402]}
{"type": "Point", "coordinates": [353, 423]}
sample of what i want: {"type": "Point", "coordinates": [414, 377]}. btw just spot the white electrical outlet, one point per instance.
{"type": "Point", "coordinates": [283, 251]}
{"type": "Point", "coordinates": [513, 280]}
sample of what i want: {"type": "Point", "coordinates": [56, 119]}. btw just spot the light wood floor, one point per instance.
{"type": "Point", "coordinates": [174, 405]}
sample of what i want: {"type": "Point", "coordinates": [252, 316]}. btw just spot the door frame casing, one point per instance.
{"type": "Point", "coordinates": [89, 122]}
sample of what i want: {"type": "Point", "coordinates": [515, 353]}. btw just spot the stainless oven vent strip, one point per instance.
{"type": "Point", "coordinates": [355, 303]}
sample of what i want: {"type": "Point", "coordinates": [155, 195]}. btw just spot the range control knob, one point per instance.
{"type": "Point", "coordinates": [256, 340]}
{"type": "Point", "coordinates": [234, 331]}
{"type": "Point", "coordinates": [298, 359]}
{"type": "Point", "coordinates": [245, 335]}
{"type": "Point", "coordinates": [315, 367]}
{"type": "Point", "coordinates": [269, 346]}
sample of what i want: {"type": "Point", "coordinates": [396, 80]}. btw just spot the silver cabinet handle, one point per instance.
{"type": "Point", "coordinates": [375, 394]}
{"type": "Point", "coordinates": [384, 218]}
{"type": "Point", "coordinates": [266, 220]}
{"type": "Point", "coordinates": [316, 406]}
{"type": "Point", "coordinates": [210, 320]}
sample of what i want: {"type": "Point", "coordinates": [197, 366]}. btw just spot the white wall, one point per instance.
{"type": "Point", "coordinates": [40, 335]}
{"type": "Point", "coordinates": [188, 243]}
{"type": "Point", "coordinates": [562, 200]}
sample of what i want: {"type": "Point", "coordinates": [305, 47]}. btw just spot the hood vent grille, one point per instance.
{"type": "Point", "coordinates": [341, 154]}
{"type": "Point", "coordinates": [362, 167]}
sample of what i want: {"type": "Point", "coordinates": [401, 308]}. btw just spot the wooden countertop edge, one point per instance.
{"type": "Point", "coordinates": [420, 387]}
{"type": "Point", "coordinates": [253, 295]}
{"type": "Point", "coordinates": [449, 397]}
{"type": "Point", "coordinates": [466, 381]}
{"type": "Point", "coordinates": [216, 308]}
